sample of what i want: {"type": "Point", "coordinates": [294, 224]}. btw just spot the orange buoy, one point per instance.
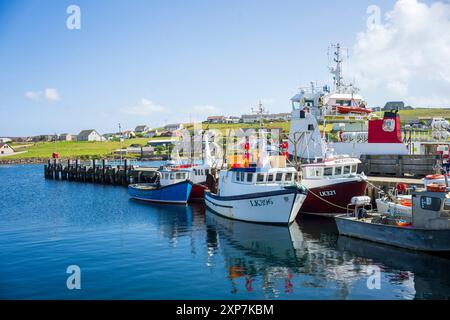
{"type": "Point", "coordinates": [434, 187]}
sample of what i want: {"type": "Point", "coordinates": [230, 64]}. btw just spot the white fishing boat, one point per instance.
{"type": "Point", "coordinates": [256, 194]}
{"type": "Point", "coordinates": [332, 180]}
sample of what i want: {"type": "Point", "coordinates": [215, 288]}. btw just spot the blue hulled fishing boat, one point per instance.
{"type": "Point", "coordinates": [173, 187]}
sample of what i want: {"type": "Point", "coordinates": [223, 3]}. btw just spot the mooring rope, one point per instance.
{"type": "Point", "coordinates": [324, 200]}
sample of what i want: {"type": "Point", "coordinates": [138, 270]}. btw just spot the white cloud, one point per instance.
{"type": "Point", "coordinates": [33, 95]}
{"type": "Point", "coordinates": [145, 108]}
{"type": "Point", "coordinates": [205, 110]}
{"type": "Point", "coordinates": [49, 94]}
{"type": "Point", "coordinates": [407, 56]}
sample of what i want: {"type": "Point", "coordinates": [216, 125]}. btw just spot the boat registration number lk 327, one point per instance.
{"type": "Point", "coordinates": [261, 203]}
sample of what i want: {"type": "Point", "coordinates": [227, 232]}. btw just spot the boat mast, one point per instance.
{"type": "Point", "coordinates": [337, 70]}
{"type": "Point", "coordinates": [260, 111]}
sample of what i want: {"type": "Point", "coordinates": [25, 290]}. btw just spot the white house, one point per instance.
{"type": "Point", "coordinates": [67, 137]}
{"type": "Point", "coordinates": [90, 135]}
{"type": "Point", "coordinates": [174, 127]}
{"type": "Point", "coordinates": [5, 140]}
{"type": "Point", "coordinates": [5, 149]}
{"type": "Point", "coordinates": [141, 129]}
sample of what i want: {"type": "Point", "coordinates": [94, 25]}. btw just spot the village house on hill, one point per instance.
{"type": "Point", "coordinates": [5, 149]}
{"type": "Point", "coordinates": [173, 127]}
{"type": "Point", "coordinates": [90, 135]}
{"type": "Point", "coordinates": [67, 137]}
{"type": "Point", "coordinates": [141, 129]}
{"type": "Point", "coordinates": [396, 105]}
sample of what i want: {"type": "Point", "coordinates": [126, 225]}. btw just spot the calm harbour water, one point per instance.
{"type": "Point", "coordinates": [132, 250]}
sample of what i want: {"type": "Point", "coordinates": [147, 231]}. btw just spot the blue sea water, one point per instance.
{"type": "Point", "coordinates": [131, 250]}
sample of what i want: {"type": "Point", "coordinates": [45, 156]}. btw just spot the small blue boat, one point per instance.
{"type": "Point", "coordinates": [174, 188]}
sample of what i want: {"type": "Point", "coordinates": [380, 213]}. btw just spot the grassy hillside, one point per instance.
{"type": "Point", "coordinates": [408, 115]}
{"type": "Point", "coordinates": [72, 149]}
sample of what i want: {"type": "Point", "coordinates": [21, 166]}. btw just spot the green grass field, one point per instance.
{"type": "Point", "coordinates": [72, 149]}
{"type": "Point", "coordinates": [408, 115]}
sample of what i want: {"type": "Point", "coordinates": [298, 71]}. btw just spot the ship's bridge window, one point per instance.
{"type": "Point", "coordinates": [446, 205]}
{"type": "Point", "coordinates": [195, 172]}
{"type": "Point", "coordinates": [279, 176]}
{"type": "Point", "coordinates": [346, 169]}
{"type": "Point", "coordinates": [288, 176]}
{"type": "Point", "coordinates": [172, 176]}
{"type": "Point", "coordinates": [338, 171]}
{"type": "Point", "coordinates": [354, 168]}
{"type": "Point", "coordinates": [328, 172]}
{"type": "Point", "coordinates": [347, 103]}
{"type": "Point", "coordinates": [242, 176]}
{"type": "Point", "coordinates": [238, 176]}
{"type": "Point", "coordinates": [260, 177]}
{"type": "Point", "coordinates": [249, 177]}
{"type": "Point", "coordinates": [206, 171]}
{"type": "Point", "coordinates": [166, 176]}
{"type": "Point", "coordinates": [318, 172]}
{"type": "Point", "coordinates": [270, 177]}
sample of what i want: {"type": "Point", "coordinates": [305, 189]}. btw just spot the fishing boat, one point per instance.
{"type": "Point", "coordinates": [173, 187]}
{"type": "Point", "coordinates": [197, 174]}
{"type": "Point", "coordinates": [429, 229]}
{"type": "Point", "coordinates": [332, 180]}
{"type": "Point", "coordinates": [258, 194]}
{"type": "Point", "coordinates": [331, 183]}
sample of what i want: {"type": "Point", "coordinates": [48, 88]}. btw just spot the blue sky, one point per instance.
{"type": "Point", "coordinates": [157, 62]}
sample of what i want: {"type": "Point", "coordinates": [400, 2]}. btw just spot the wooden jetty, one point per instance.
{"type": "Point", "coordinates": [99, 171]}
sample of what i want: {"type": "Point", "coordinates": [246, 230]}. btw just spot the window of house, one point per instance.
{"type": "Point", "coordinates": [346, 169]}
{"type": "Point", "coordinates": [279, 176]}
{"type": "Point", "coordinates": [249, 177]}
{"type": "Point", "coordinates": [327, 172]}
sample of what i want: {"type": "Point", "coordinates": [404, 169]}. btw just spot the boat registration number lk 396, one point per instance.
{"type": "Point", "coordinates": [261, 203]}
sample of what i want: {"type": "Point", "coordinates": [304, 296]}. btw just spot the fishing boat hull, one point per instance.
{"type": "Point", "coordinates": [274, 207]}
{"type": "Point", "coordinates": [198, 192]}
{"type": "Point", "coordinates": [405, 237]}
{"type": "Point", "coordinates": [177, 193]}
{"type": "Point", "coordinates": [331, 198]}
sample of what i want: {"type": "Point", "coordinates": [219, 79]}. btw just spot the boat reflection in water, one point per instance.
{"type": "Point", "coordinates": [306, 260]}
{"type": "Point", "coordinates": [255, 250]}
{"type": "Point", "coordinates": [426, 275]}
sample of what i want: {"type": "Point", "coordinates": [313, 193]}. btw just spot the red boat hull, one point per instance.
{"type": "Point", "coordinates": [198, 192]}
{"type": "Point", "coordinates": [333, 199]}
